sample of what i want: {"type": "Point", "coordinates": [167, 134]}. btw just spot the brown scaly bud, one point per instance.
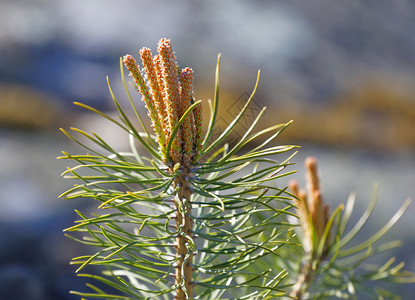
{"type": "Point", "coordinates": [131, 65]}
{"type": "Point", "coordinates": [172, 93]}
{"type": "Point", "coordinates": [314, 193]}
{"type": "Point", "coordinates": [197, 113]}
{"type": "Point", "coordinates": [312, 176]}
{"type": "Point", "coordinates": [186, 80]}
{"type": "Point", "coordinates": [155, 86]}
{"type": "Point", "coordinates": [313, 214]}
{"type": "Point", "coordinates": [303, 214]}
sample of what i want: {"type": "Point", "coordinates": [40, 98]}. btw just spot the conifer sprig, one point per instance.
{"type": "Point", "coordinates": [329, 267]}
{"type": "Point", "coordinates": [179, 226]}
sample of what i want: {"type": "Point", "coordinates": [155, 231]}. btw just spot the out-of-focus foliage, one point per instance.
{"type": "Point", "coordinates": [26, 108]}
{"type": "Point", "coordinates": [375, 116]}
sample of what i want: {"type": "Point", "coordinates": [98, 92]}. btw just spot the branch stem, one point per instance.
{"type": "Point", "coordinates": [184, 222]}
{"type": "Point", "coordinates": [303, 281]}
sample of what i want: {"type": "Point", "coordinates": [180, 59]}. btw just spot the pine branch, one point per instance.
{"type": "Point", "coordinates": [179, 222]}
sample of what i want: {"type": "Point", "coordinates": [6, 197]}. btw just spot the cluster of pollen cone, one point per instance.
{"type": "Point", "coordinates": [168, 94]}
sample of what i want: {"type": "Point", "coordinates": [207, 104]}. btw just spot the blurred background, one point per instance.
{"type": "Point", "coordinates": [342, 70]}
